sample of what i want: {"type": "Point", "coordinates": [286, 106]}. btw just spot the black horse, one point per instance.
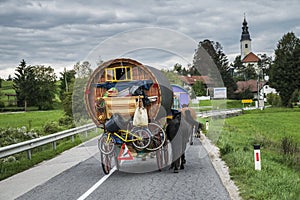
{"type": "Point", "coordinates": [178, 133]}
{"type": "Point", "coordinates": [192, 122]}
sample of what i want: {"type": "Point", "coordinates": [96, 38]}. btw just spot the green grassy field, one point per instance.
{"type": "Point", "coordinates": [277, 131]}
{"type": "Point", "coordinates": [29, 119]}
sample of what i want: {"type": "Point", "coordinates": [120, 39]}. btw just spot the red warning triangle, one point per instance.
{"type": "Point", "coordinates": [125, 153]}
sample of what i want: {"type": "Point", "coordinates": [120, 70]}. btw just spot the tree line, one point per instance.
{"type": "Point", "coordinates": [38, 86]}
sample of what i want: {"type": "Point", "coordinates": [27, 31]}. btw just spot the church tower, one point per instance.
{"type": "Point", "coordinates": [245, 40]}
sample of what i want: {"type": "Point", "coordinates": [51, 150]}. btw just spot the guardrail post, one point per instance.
{"type": "Point", "coordinates": [54, 145]}
{"type": "Point", "coordinates": [29, 154]}
{"type": "Point", "coordinates": [72, 138]}
{"type": "Point", "coordinates": [86, 134]}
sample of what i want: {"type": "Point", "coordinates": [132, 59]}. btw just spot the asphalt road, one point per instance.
{"type": "Point", "coordinates": [199, 180]}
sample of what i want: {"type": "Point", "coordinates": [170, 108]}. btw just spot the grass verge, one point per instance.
{"type": "Point", "coordinates": [277, 131]}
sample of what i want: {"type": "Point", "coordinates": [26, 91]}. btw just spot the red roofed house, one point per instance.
{"type": "Point", "coordinates": [249, 84]}
{"type": "Point", "coordinates": [264, 88]}
{"type": "Point", "coordinates": [191, 80]}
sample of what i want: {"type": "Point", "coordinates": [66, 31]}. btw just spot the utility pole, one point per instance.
{"type": "Point", "coordinates": [66, 82]}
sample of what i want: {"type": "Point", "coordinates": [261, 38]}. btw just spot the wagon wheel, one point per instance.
{"type": "Point", "coordinates": [106, 144]}
{"type": "Point", "coordinates": [166, 153]}
{"type": "Point", "coordinates": [158, 136]}
{"type": "Point", "coordinates": [117, 161]}
{"type": "Point", "coordinates": [159, 159]}
{"type": "Point", "coordinates": [192, 135]}
{"type": "Point", "coordinates": [105, 162]}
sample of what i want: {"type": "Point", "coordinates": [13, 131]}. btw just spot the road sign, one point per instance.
{"type": "Point", "coordinates": [125, 153]}
{"type": "Point", "coordinates": [220, 93]}
{"type": "Point", "coordinates": [247, 100]}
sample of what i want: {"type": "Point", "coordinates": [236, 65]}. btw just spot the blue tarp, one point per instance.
{"type": "Point", "coordinates": [145, 84]}
{"type": "Point", "coordinates": [181, 94]}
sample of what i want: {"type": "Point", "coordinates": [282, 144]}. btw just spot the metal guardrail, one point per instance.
{"type": "Point", "coordinates": [214, 113]}
{"type": "Point", "coordinates": [52, 138]}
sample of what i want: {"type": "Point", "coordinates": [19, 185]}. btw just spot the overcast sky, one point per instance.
{"type": "Point", "coordinates": [159, 33]}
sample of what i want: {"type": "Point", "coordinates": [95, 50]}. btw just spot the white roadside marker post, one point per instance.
{"type": "Point", "coordinates": [206, 125]}
{"type": "Point", "coordinates": [257, 162]}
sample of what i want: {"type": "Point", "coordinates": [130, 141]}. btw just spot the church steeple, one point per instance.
{"type": "Point", "coordinates": [245, 33]}
{"type": "Point", "coordinates": [245, 39]}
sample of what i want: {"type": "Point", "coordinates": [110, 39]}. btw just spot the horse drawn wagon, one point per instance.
{"type": "Point", "coordinates": [130, 101]}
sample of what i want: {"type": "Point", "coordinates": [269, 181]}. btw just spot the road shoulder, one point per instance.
{"type": "Point", "coordinates": [221, 167]}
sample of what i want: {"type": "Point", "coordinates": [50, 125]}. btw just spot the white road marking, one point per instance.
{"type": "Point", "coordinates": [96, 185]}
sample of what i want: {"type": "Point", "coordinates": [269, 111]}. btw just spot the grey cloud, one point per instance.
{"type": "Point", "coordinates": [64, 32]}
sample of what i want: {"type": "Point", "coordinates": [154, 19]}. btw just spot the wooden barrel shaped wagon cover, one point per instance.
{"type": "Point", "coordinates": [109, 90]}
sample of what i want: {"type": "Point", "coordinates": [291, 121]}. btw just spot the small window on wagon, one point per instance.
{"type": "Point", "coordinates": [116, 74]}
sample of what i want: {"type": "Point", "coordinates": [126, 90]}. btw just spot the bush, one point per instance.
{"type": "Point", "coordinates": [15, 135]}
{"type": "Point", "coordinates": [66, 121]}
{"type": "Point", "coordinates": [51, 127]}
{"type": "Point", "coordinates": [295, 95]}
{"type": "Point", "coordinates": [274, 100]}
{"type": "Point", "coordinates": [2, 105]}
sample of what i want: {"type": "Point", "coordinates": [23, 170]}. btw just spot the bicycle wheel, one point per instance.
{"type": "Point", "coordinates": [158, 136]}
{"type": "Point", "coordinates": [144, 136]}
{"type": "Point", "coordinates": [106, 144]}
{"type": "Point", "coordinates": [105, 162]}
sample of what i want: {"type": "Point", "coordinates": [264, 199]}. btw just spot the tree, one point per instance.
{"type": "Point", "coordinates": [46, 87]}
{"type": "Point", "coordinates": [172, 77]}
{"type": "Point", "coordinates": [66, 81]}
{"type": "Point", "coordinates": [243, 73]}
{"type": "Point", "coordinates": [199, 88]}
{"type": "Point", "coordinates": [285, 71]}
{"type": "Point", "coordinates": [295, 96]}
{"type": "Point", "coordinates": [238, 67]}
{"type": "Point", "coordinates": [264, 64]}
{"type": "Point", "coordinates": [249, 72]}
{"type": "Point", "coordinates": [215, 50]}
{"type": "Point", "coordinates": [66, 90]}
{"type": "Point", "coordinates": [83, 71]}
{"type": "Point", "coordinates": [204, 60]}
{"type": "Point", "coordinates": [194, 72]}
{"type": "Point", "coordinates": [25, 85]}
{"type": "Point", "coordinates": [9, 78]}
{"type": "Point", "coordinates": [67, 104]}
{"type": "Point", "coordinates": [178, 68]}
